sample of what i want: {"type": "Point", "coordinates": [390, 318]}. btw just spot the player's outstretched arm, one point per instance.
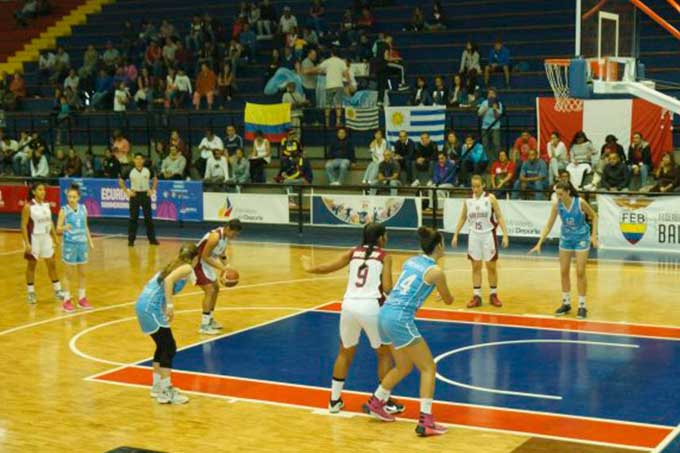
{"type": "Point", "coordinates": [546, 229]}
{"type": "Point", "coordinates": [326, 268]}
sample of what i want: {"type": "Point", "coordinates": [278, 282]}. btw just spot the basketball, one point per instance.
{"type": "Point", "coordinates": [229, 278]}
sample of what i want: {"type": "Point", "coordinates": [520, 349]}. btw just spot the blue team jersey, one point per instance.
{"type": "Point", "coordinates": [153, 294]}
{"type": "Point", "coordinates": [411, 290]}
{"type": "Point", "coordinates": [77, 220]}
{"type": "Point", "coordinates": [574, 222]}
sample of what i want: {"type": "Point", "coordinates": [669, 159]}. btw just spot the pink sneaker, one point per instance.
{"type": "Point", "coordinates": [84, 304]}
{"type": "Point", "coordinates": [67, 306]}
{"type": "Point", "coordinates": [427, 427]}
{"type": "Point", "coordinates": [376, 408]}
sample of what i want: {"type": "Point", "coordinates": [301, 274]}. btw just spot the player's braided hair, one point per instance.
{"type": "Point", "coordinates": [186, 254]}
{"type": "Point", "coordinates": [372, 233]}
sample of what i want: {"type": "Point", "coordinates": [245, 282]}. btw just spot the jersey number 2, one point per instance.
{"type": "Point", "coordinates": [362, 275]}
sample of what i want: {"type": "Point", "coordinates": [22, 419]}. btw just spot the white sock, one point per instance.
{"type": "Point", "coordinates": [156, 378]}
{"type": "Point", "coordinates": [336, 388]}
{"type": "Point", "coordinates": [57, 285]}
{"type": "Point", "coordinates": [165, 383]}
{"type": "Point", "coordinates": [81, 293]}
{"type": "Point", "coordinates": [205, 319]}
{"type": "Point", "coordinates": [426, 405]}
{"type": "Point", "coordinates": [382, 394]}
{"type": "Point", "coordinates": [31, 289]}
{"type": "Point", "coordinates": [566, 299]}
{"type": "Point", "coordinates": [493, 290]}
{"type": "Point", "coordinates": [581, 301]}
{"type": "Point", "coordinates": [67, 295]}
{"type": "Point", "coordinates": [477, 291]}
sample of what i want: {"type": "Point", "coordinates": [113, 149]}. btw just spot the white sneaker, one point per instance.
{"type": "Point", "coordinates": [207, 329]}
{"type": "Point", "coordinates": [32, 298]}
{"type": "Point", "coordinates": [59, 295]}
{"type": "Point", "coordinates": [335, 183]}
{"type": "Point", "coordinates": [172, 396]}
{"type": "Point", "coordinates": [335, 406]}
{"type": "Point", "coordinates": [214, 324]}
{"type": "Point", "coordinates": [155, 390]}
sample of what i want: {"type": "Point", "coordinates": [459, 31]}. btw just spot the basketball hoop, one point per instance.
{"type": "Point", "coordinates": [557, 70]}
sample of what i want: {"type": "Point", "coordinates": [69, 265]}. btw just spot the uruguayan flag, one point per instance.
{"type": "Point", "coordinates": [415, 121]}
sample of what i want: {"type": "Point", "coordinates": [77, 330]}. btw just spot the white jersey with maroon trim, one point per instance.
{"type": "Point", "coordinates": [365, 282]}
{"type": "Point", "coordinates": [480, 215]}
{"type": "Point", "coordinates": [220, 247]}
{"type": "Point", "coordinates": [40, 221]}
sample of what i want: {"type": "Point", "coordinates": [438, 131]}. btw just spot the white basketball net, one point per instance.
{"type": "Point", "coordinates": [558, 77]}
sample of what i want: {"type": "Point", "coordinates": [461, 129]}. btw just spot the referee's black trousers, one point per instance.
{"type": "Point", "coordinates": [140, 200]}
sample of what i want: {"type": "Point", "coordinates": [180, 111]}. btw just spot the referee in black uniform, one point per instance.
{"type": "Point", "coordinates": [142, 187]}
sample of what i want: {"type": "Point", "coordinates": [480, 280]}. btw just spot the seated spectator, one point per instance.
{"type": "Point", "coordinates": [405, 154]}
{"type": "Point", "coordinates": [110, 56]}
{"type": "Point", "coordinates": [581, 159]}
{"type": "Point", "coordinates": [437, 21]}
{"type": "Point", "coordinates": [295, 170]}
{"type": "Point", "coordinates": [557, 153]}
{"type": "Point", "coordinates": [425, 153]}
{"type": "Point", "coordinates": [267, 17]}
{"type": "Point", "coordinates": [46, 64]}
{"type": "Point", "coordinates": [63, 120]}
{"type": "Point", "coordinates": [297, 103]}
{"type": "Point", "coordinates": [288, 60]}
{"type": "Point", "coordinates": [74, 165]}
{"type": "Point", "coordinates": [532, 176]}
{"type": "Point", "coordinates": [365, 22]}
{"type": "Point", "coordinates": [443, 175]}
{"type": "Point", "coordinates": [103, 89]}
{"type": "Point", "coordinates": [121, 98]}
{"type": "Point", "coordinates": [287, 22]}
{"type": "Point", "coordinates": [378, 146]}
{"type": "Point", "coordinates": [473, 161]}
{"type": "Point", "coordinates": [395, 64]}
{"type": "Point", "coordinates": [614, 173]}
{"type": "Point", "coordinates": [206, 85]}
{"type": "Point", "coordinates": [176, 140]}
{"type": "Point", "coordinates": [166, 30]}
{"type": "Point", "coordinates": [111, 168]}
{"type": "Point", "coordinates": [169, 52]}
{"type": "Point", "coordinates": [421, 95]}
{"type": "Point", "coordinates": [563, 176]}
{"type": "Point", "coordinates": [182, 87]}
{"type": "Point", "coordinates": [490, 111]}
{"type": "Point", "coordinates": [241, 166]}
{"type": "Point", "coordinates": [8, 149]}
{"type": "Point", "coordinates": [130, 73]}
{"type": "Point", "coordinates": [174, 165]}
{"type": "Point", "coordinates": [143, 96]}
{"type": "Point", "coordinates": [452, 148]}
{"type": "Point", "coordinates": [72, 99]}
{"type": "Point", "coordinates": [611, 145]}
{"type": "Point", "coordinates": [316, 16]}
{"type": "Point", "coordinates": [159, 98]}
{"type": "Point", "coordinates": [72, 80]}
{"type": "Point", "coordinates": [639, 161]}
{"type": "Point", "coordinates": [458, 95]}
{"type": "Point", "coordinates": [90, 165]}
{"type": "Point", "coordinates": [194, 39]}
{"type": "Point", "coordinates": [363, 50]}
{"type": "Point", "coordinates": [232, 141]}
{"type": "Point", "coordinates": [28, 11]}
{"type": "Point", "coordinates": [469, 67]}
{"type": "Point", "coordinates": [120, 147]}
{"type": "Point", "coordinates": [209, 144]}
{"type": "Point", "coordinates": [20, 160]}
{"type": "Point", "coordinates": [440, 94]}
{"type": "Point", "coordinates": [499, 60]}
{"type": "Point", "coordinates": [274, 64]}
{"type": "Point", "coordinates": [667, 175]}
{"type": "Point", "coordinates": [225, 83]}
{"type": "Point", "coordinates": [417, 22]}
{"type": "Point", "coordinates": [184, 58]}
{"type": "Point", "coordinates": [90, 61]}
{"type": "Point", "coordinates": [388, 173]}
{"type": "Point", "coordinates": [206, 55]}
{"type": "Point", "coordinates": [39, 166]}
{"type": "Point", "coordinates": [502, 174]}
{"type": "Point", "coordinates": [348, 29]}
{"type": "Point", "coordinates": [254, 14]}
{"type": "Point", "coordinates": [57, 164]}
{"type": "Point", "coordinates": [341, 156]}
{"type": "Point", "coordinates": [523, 144]}
{"type": "Point", "coordinates": [18, 86]}
{"type": "Point", "coordinates": [260, 157]}
{"type": "Point", "coordinates": [248, 41]}
{"type": "Point", "coordinates": [216, 170]}
{"type": "Point", "coordinates": [62, 63]}
{"type": "Point", "coordinates": [310, 38]}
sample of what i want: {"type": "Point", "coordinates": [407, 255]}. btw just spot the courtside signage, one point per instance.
{"type": "Point", "coordinates": [358, 210]}
{"type": "Point", "coordinates": [248, 208]}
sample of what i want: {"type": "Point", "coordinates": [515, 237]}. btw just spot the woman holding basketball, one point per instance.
{"type": "Point", "coordinates": [72, 224]}
{"type": "Point", "coordinates": [576, 237]}
{"type": "Point", "coordinates": [213, 263]}
{"type": "Point", "coordinates": [155, 311]}
{"type": "Point", "coordinates": [419, 276]}
{"type": "Point", "coordinates": [482, 214]}
{"type": "Point", "coordinates": [38, 233]}
{"type": "Point", "coordinates": [370, 276]}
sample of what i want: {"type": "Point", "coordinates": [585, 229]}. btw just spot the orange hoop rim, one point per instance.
{"type": "Point", "coordinates": [558, 61]}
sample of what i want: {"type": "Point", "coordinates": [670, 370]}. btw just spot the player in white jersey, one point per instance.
{"type": "Point", "coordinates": [39, 235]}
{"type": "Point", "coordinates": [482, 215]}
{"type": "Point", "coordinates": [213, 252]}
{"type": "Point", "coordinates": [369, 279]}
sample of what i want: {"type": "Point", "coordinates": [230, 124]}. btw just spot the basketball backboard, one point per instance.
{"type": "Point", "coordinates": [606, 28]}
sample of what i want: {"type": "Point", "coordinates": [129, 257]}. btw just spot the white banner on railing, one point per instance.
{"type": "Point", "coordinates": [249, 208]}
{"type": "Point", "coordinates": [639, 223]}
{"type": "Point", "coordinates": [524, 218]}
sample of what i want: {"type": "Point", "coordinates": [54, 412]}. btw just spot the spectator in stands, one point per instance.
{"type": "Point", "coordinates": [417, 22]}
{"type": "Point", "coordinates": [490, 111]}
{"type": "Point", "coordinates": [182, 87]}
{"type": "Point", "coordinates": [297, 103]}
{"type": "Point", "coordinates": [174, 165]}
{"type": "Point", "coordinates": [348, 29]}
{"type": "Point", "coordinates": [62, 63]}
{"type": "Point", "coordinates": [336, 70]}
{"type": "Point", "coordinates": [153, 59]}
{"type": "Point", "coordinates": [120, 147]}
{"type": "Point", "coordinates": [473, 161]}
{"type": "Point", "coordinates": [143, 95]}
{"type": "Point", "coordinates": [111, 168]}
{"type": "Point", "coordinates": [90, 165]}
{"type": "Point", "coordinates": [523, 144]}
{"type": "Point", "coordinates": [405, 154]}
{"type": "Point", "coordinates": [309, 75]}
{"type": "Point", "coordinates": [452, 147]}
{"type": "Point", "coordinates": [532, 176]}
{"type": "Point", "coordinates": [110, 56]}
{"type": "Point", "coordinates": [57, 164]}
{"type": "Point", "coordinates": [232, 141]}
{"type": "Point", "coordinates": [241, 168]}
{"type": "Point", "coordinates": [207, 55]}
{"type": "Point", "coordinates": [129, 38]}
{"type": "Point", "coordinates": [39, 166]}
{"type": "Point", "coordinates": [28, 11]}
{"type": "Point", "coordinates": [639, 161]}
{"type": "Point", "coordinates": [614, 173]}
{"type": "Point", "coordinates": [8, 149]}
{"type": "Point", "coordinates": [225, 83]}
{"type": "Point", "coordinates": [166, 30]}
{"type": "Point", "coordinates": [18, 87]}
{"type": "Point", "coordinates": [72, 99]}
{"type": "Point", "coordinates": [287, 22]}
{"type": "Point", "coordinates": [46, 64]}
{"type": "Point", "coordinates": [378, 146]}
{"type": "Point", "coordinates": [63, 120]}
{"type": "Point", "coordinates": [470, 67]}
{"type": "Point", "coordinates": [499, 60]}
{"type": "Point", "coordinates": [90, 61]}
{"type": "Point", "coordinates": [103, 89]}
{"type": "Point", "coordinates": [176, 140]}
{"type": "Point", "coordinates": [253, 14]}
{"type": "Point", "coordinates": [121, 98]}
{"type": "Point", "coordinates": [147, 32]}
{"type": "Point", "coordinates": [388, 173]}
{"type": "Point", "coordinates": [443, 174]}
{"type": "Point", "coordinates": [248, 41]}
{"type": "Point", "coordinates": [316, 16]}
{"type": "Point", "coordinates": [288, 59]}
{"type": "Point", "coordinates": [581, 159]}
{"type": "Point", "coordinates": [421, 95]}
{"type": "Point", "coordinates": [458, 95]}
{"type": "Point", "coordinates": [274, 64]}
{"type": "Point", "coordinates": [169, 52]}
{"type": "Point", "coordinates": [20, 159]}
{"type": "Point", "coordinates": [206, 85]}
{"type": "Point", "coordinates": [440, 94]}
{"type": "Point", "coordinates": [365, 22]}
{"type": "Point", "coordinates": [437, 22]}
{"type": "Point", "coordinates": [267, 17]}
{"type": "Point", "coordinates": [72, 80]}
{"type": "Point", "coordinates": [502, 174]}
{"type": "Point", "coordinates": [341, 155]}
{"type": "Point", "coordinates": [216, 170]}
{"type": "Point", "coordinates": [260, 157]}
{"type": "Point", "coordinates": [611, 145]}
{"type": "Point", "coordinates": [208, 145]}
{"type": "Point", "coordinates": [667, 175]}
{"type": "Point", "coordinates": [73, 167]}
{"type": "Point", "coordinates": [425, 153]}
{"type": "Point", "coordinates": [363, 50]}
{"type": "Point", "coordinates": [557, 153]}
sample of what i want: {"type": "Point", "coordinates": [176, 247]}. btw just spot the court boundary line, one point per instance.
{"type": "Point", "coordinates": [667, 440]}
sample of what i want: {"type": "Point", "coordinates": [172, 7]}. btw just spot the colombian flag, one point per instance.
{"type": "Point", "coordinates": [272, 119]}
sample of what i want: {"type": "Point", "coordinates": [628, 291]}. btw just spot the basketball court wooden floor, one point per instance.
{"type": "Point", "coordinates": [511, 380]}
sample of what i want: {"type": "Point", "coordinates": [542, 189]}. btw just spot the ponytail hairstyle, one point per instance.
{"type": "Point", "coordinates": [372, 233]}
{"type": "Point", "coordinates": [186, 254]}
{"type": "Point", "coordinates": [32, 189]}
{"type": "Point", "coordinates": [235, 225]}
{"type": "Point", "coordinates": [430, 238]}
{"type": "Point", "coordinates": [567, 187]}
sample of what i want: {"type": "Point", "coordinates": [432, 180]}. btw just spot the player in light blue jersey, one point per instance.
{"type": "Point", "coordinates": [576, 237]}
{"type": "Point", "coordinates": [419, 277]}
{"type": "Point", "coordinates": [155, 312]}
{"type": "Point", "coordinates": [75, 247]}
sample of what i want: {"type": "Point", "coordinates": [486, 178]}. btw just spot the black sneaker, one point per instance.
{"type": "Point", "coordinates": [582, 313]}
{"type": "Point", "coordinates": [335, 406]}
{"type": "Point", "coordinates": [154, 242]}
{"type": "Point", "coordinates": [393, 407]}
{"type": "Point", "coordinates": [131, 244]}
{"type": "Point", "coordinates": [563, 310]}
